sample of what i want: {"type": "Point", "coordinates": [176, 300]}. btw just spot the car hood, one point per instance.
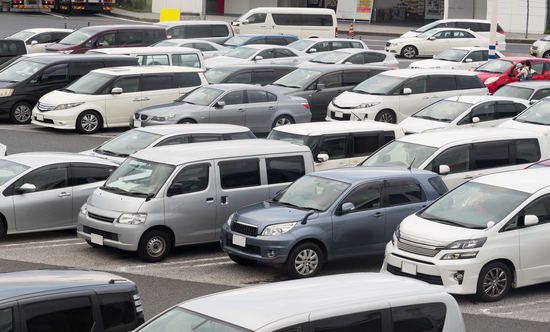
{"type": "Point", "coordinates": [352, 99]}
{"type": "Point", "coordinates": [531, 127]}
{"type": "Point", "coordinates": [281, 89]}
{"type": "Point", "coordinates": [416, 125]}
{"type": "Point", "coordinates": [540, 43]}
{"type": "Point", "coordinates": [409, 34]}
{"type": "Point", "coordinates": [57, 97]}
{"type": "Point", "coordinates": [171, 108]}
{"type": "Point", "coordinates": [109, 204]}
{"type": "Point", "coordinates": [59, 47]}
{"type": "Point", "coordinates": [223, 60]}
{"type": "Point", "coordinates": [433, 64]}
{"type": "Point", "coordinates": [268, 213]}
{"type": "Point", "coordinates": [483, 75]}
{"type": "Point", "coordinates": [4, 84]}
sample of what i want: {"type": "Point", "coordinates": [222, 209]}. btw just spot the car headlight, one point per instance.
{"type": "Point", "coordinates": [84, 209]}
{"type": "Point", "coordinates": [132, 218]}
{"type": "Point", "coordinates": [278, 229]}
{"type": "Point", "coordinates": [460, 255]}
{"type": "Point", "coordinates": [66, 106]}
{"type": "Point", "coordinates": [367, 105]}
{"type": "Point", "coordinates": [163, 118]}
{"type": "Point", "coordinates": [491, 80]}
{"type": "Point", "coordinates": [467, 244]}
{"type": "Point", "coordinates": [230, 219]}
{"type": "Point", "coordinates": [6, 92]}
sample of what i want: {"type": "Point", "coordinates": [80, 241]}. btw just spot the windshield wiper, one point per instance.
{"type": "Point", "coordinates": [291, 205]}
{"type": "Point", "coordinates": [279, 84]}
{"type": "Point", "coordinates": [312, 208]}
{"type": "Point", "coordinates": [66, 90]}
{"type": "Point", "coordinates": [533, 122]}
{"type": "Point", "coordinates": [444, 221]}
{"type": "Point", "coordinates": [112, 189]}
{"type": "Point", "coordinates": [110, 153]}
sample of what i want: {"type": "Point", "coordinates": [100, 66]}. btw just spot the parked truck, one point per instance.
{"type": "Point", "coordinates": [26, 5]}
{"type": "Point", "coordinates": [90, 6]}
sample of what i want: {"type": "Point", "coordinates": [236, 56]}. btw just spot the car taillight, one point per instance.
{"type": "Point", "coordinates": [306, 105]}
{"type": "Point", "coordinates": [166, 34]}
{"type": "Point", "coordinates": [336, 32]}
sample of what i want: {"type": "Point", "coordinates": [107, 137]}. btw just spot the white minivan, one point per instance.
{"type": "Point", "coordinates": [108, 97]}
{"type": "Point", "coordinates": [483, 238]}
{"type": "Point", "coordinates": [302, 22]}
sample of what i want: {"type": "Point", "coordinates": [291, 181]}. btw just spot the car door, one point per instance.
{"type": "Point", "coordinates": [260, 110]}
{"type": "Point", "coordinates": [433, 46]}
{"type": "Point", "coordinates": [42, 39]}
{"type": "Point", "coordinates": [322, 91]}
{"type": "Point", "coordinates": [360, 231]}
{"type": "Point", "coordinates": [52, 78]}
{"type": "Point", "coordinates": [464, 38]}
{"type": "Point", "coordinates": [256, 23]}
{"type": "Point", "coordinates": [440, 87]}
{"type": "Point", "coordinates": [492, 157]}
{"type": "Point", "coordinates": [539, 71]}
{"type": "Point", "coordinates": [364, 144]}
{"type": "Point", "coordinates": [417, 99]}
{"type": "Point", "coordinates": [190, 204]}
{"type": "Point", "coordinates": [485, 114]}
{"type": "Point", "coordinates": [50, 205]}
{"type": "Point", "coordinates": [233, 110]}
{"type": "Point", "coordinates": [120, 107]}
{"type": "Point", "coordinates": [158, 89]}
{"type": "Point", "coordinates": [336, 147]}
{"type": "Point", "coordinates": [476, 59]}
{"type": "Point", "coordinates": [459, 161]}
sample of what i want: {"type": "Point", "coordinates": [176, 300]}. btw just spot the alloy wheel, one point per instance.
{"type": "Point", "coordinates": [306, 262]}
{"type": "Point", "coordinates": [89, 122]}
{"type": "Point", "coordinates": [495, 282]}
{"type": "Point", "coordinates": [22, 113]}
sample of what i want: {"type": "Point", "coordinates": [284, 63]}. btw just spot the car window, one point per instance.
{"type": "Point", "coordinates": [445, 34]}
{"type": "Point", "coordinates": [128, 84]}
{"type": "Point", "coordinates": [462, 34]}
{"type": "Point", "coordinates": [204, 47]}
{"type": "Point", "coordinates": [485, 112]}
{"type": "Point", "coordinates": [527, 151]}
{"type": "Point", "coordinates": [490, 155]}
{"type": "Point", "coordinates": [130, 37]}
{"type": "Point", "coordinates": [322, 47]}
{"type": "Point", "coordinates": [441, 83]}
{"type": "Point", "coordinates": [198, 138]}
{"type": "Point", "coordinates": [277, 41]}
{"type": "Point", "coordinates": [271, 96]}
{"type": "Point", "coordinates": [191, 179]}
{"type": "Point", "coordinates": [43, 38]}
{"type": "Point", "coordinates": [267, 54]}
{"type": "Point", "coordinates": [336, 45]}
{"type": "Point", "coordinates": [505, 110]}
{"type": "Point", "coordinates": [284, 169]}
{"type": "Point", "coordinates": [181, 139]}
{"type": "Point", "coordinates": [537, 66]}
{"type": "Point", "coordinates": [257, 40]}
{"type": "Point", "coordinates": [540, 208]}
{"type": "Point", "coordinates": [356, 45]}
{"type": "Point", "coordinates": [79, 68]}
{"type": "Point", "coordinates": [57, 73]}
{"type": "Point", "coordinates": [357, 59]}
{"type": "Point", "coordinates": [542, 93]}
{"type": "Point", "coordinates": [153, 60]}
{"type": "Point", "coordinates": [219, 30]}
{"type": "Point", "coordinates": [374, 57]}
{"type": "Point", "coordinates": [256, 18]}
{"type": "Point", "coordinates": [425, 317]}
{"type": "Point", "coordinates": [365, 144]}
{"type": "Point", "coordinates": [186, 80]}
{"type": "Point", "coordinates": [186, 60]}
{"type": "Point", "coordinates": [157, 82]}
{"type": "Point", "coordinates": [46, 178]}
{"type": "Point", "coordinates": [89, 174]}
{"type": "Point", "coordinates": [332, 80]}
{"type": "Point", "coordinates": [334, 146]}
{"type": "Point", "coordinates": [245, 77]}
{"type": "Point", "coordinates": [71, 314]}
{"type": "Point", "coordinates": [352, 78]}
{"type": "Point", "coordinates": [464, 25]}
{"type": "Point", "coordinates": [365, 197]}
{"type": "Point", "coordinates": [198, 31]}
{"type": "Point", "coordinates": [417, 85]}
{"type": "Point", "coordinates": [256, 96]}
{"type": "Point", "coordinates": [365, 321]}
{"type": "Point", "coordinates": [457, 158]}
{"type": "Point", "coordinates": [106, 39]}
{"type": "Point", "coordinates": [117, 312]}
{"type": "Point", "coordinates": [239, 173]}
{"type": "Point", "coordinates": [399, 192]}
{"type": "Point", "coordinates": [478, 56]}
{"type": "Point", "coordinates": [468, 82]}
{"type": "Point", "coordinates": [262, 77]}
{"type": "Point", "coordinates": [235, 136]}
{"type": "Point", "coordinates": [234, 98]}
{"type": "Point", "coordinates": [282, 53]}
{"type": "Point", "coordinates": [6, 320]}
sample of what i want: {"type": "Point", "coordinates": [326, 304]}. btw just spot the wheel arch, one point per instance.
{"type": "Point", "coordinates": [163, 228]}
{"type": "Point", "coordinates": [317, 241]}
{"type": "Point", "coordinates": [506, 262]}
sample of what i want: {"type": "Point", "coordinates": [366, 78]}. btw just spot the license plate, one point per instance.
{"type": "Point", "coordinates": [338, 114]}
{"type": "Point", "coordinates": [96, 239]}
{"type": "Point", "coordinates": [137, 123]}
{"type": "Point", "coordinates": [408, 268]}
{"type": "Point", "coordinates": [39, 117]}
{"type": "Point", "coordinates": [239, 240]}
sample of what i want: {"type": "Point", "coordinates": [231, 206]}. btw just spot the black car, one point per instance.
{"type": "Point", "coordinates": [257, 74]}
{"type": "Point", "coordinates": [10, 48]}
{"type": "Point", "coordinates": [25, 80]}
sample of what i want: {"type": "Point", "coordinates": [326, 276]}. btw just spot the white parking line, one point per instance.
{"type": "Point", "coordinates": [29, 245]}
{"type": "Point", "coordinates": [55, 15]}
{"type": "Point", "coordinates": [172, 263]}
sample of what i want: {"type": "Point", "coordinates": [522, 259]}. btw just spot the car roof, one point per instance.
{"type": "Point", "coordinates": [130, 70]}
{"type": "Point", "coordinates": [187, 40]}
{"type": "Point", "coordinates": [297, 10]}
{"type": "Point", "coordinates": [531, 84]}
{"type": "Point", "coordinates": [194, 128]}
{"type": "Point", "coordinates": [335, 127]}
{"type": "Point", "coordinates": [24, 283]}
{"type": "Point", "coordinates": [37, 159]}
{"type": "Point", "coordinates": [189, 22]}
{"type": "Point", "coordinates": [424, 72]}
{"type": "Point", "coordinates": [181, 154]}
{"type": "Point", "coordinates": [454, 29]}
{"type": "Point", "coordinates": [359, 50]}
{"type": "Point", "coordinates": [324, 68]}
{"type": "Point", "coordinates": [248, 66]}
{"type": "Point", "coordinates": [526, 180]}
{"type": "Point", "coordinates": [121, 27]}
{"type": "Point", "coordinates": [361, 174]}
{"type": "Point", "coordinates": [332, 39]}
{"type": "Point", "coordinates": [463, 20]}
{"type": "Point", "coordinates": [40, 30]}
{"type": "Point", "coordinates": [474, 99]}
{"type": "Point", "coordinates": [264, 46]}
{"type": "Point", "coordinates": [146, 50]}
{"type": "Point", "coordinates": [257, 306]}
{"type": "Point", "coordinates": [51, 57]}
{"type": "Point", "coordinates": [265, 35]}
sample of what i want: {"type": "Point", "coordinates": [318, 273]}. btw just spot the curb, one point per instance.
{"type": "Point", "coordinates": [130, 17]}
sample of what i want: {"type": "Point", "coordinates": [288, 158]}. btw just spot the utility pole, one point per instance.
{"type": "Point", "coordinates": [527, 21]}
{"type": "Point", "coordinates": [493, 30]}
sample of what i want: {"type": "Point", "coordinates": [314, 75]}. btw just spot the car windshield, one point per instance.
{"type": "Point", "coordinates": [514, 91]}
{"type": "Point", "coordinates": [20, 71]}
{"type": "Point", "coordinates": [379, 85]}
{"type": "Point", "coordinates": [287, 137]}
{"type": "Point", "coordinates": [89, 84]}
{"type": "Point", "coordinates": [497, 66]}
{"type": "Point", "coordinates": [301, 45]}
{"type": "Point", "coordinates": [538, 113]}
{"type": "Point", "coordinates": [474, 205]}
{"type": "Point", "coordinates": [9, 170]}
{"type": "Point", "coordinates": [399, 153]}
{"type": "Point", "coordinates": [298, 78]}
{"type": "Point", "coordinates": [443, 110]}
{"type": "Point", "coordinates": [217, 75]}
{"type": "Point", "coordinates": [127, 143]}
{"type": "Point", "coordinates": [236, 41]}
{"type": "Point", "coordinates": [452, 54]}
{"type": "Point", "coordinates": [330, 57]}
{"type": "Point", "coordinates": [202, 96]}
{"type": "Point", "coordinates": [139, 178]}
{"type": "Point", "coordinates": [181, 320]}
{"type": "Point", "coordinates": [21, 35]}
{"type": "Point", "coordinates": [241, 52]}
{"type": "Point", "coordinates": [427, 27]}
{"type": "Point", "coordinates": [76, 38]}
{"type": "Point", "coordinates": [312, 193]}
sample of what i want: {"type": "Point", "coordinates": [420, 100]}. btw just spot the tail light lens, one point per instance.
{"type": "Point", "coordinates": [336, 32]}
{"type": "Point", "coordinates": [306, 105]}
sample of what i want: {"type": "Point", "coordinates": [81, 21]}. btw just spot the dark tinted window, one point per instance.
{"type": "Point", "coordinates": [271, 97]}
{"type": "Point", "coordinates": [354, 77]}
{"type": "Point", "coordinates": [42, 38]}
{"type": "Point", "coordinates": [12, 48]}
{"type": "Point", "coordinates": [79, 69]}
{"type": "Point", "coordinates": [537, 66]}
{"type": "Point", "coordinates": [55, 73]}
{"type": "Point", "coordinates": [374, 57]}
{"type": "Point", "coordinates": [46, 178]}
{"type": "Point", "coordinates": [441, 83]}
{"type": "Point", "coordinates": [234, 98]}
{"type": "Point", "coordinates": [365, 197]}
{"type": "Point", "coordinates": [336, 45]}
{"type": "Point", "coordinates": [157, 82]}
{"type": "Point", "coordinates": [182, 139]}
{"type": "Point", "coordinates": [191, 179]}
{"type": "Point", "coordinates": [492, 154]}
{"type": "Point", "coordinates": [277, 41]}
{"type": "Point", "coordinates": [427, 317]}
{"type": "Point", "coordinates": [128, 84]}
{"type": "Point", "coordinates": [417, 85]}
{"type": "Point", "coordinates": [240, 173]}
{"type": "Point", "coordinates": [89, 174]}
{"type": "Point", "coordinates": [527, 151]}
{"type": "Point", "coordinates": [478, 56]}
{"type": "Point", "coordinates": [357, 59]}
{"type": "Point", "coordinates": [541, 94]}
{"type": "Point", "coordinates": [197, 31]}
{"type": "Point", "coordinates": [457, 158]}
{"type": "Point", "coordinates": [256, 96]}
{"type": "Point", "coordinates": [335, 147]}
{"type": "Point", "coordinates": [438, 185]}
{"type": "Point", "coordinates": [186, 60]}
{"type": "Point", "coordinates": [234, 136]}
{"type": "Point", "coordinates": [485, 112]}
{"type": "Point", "coordinates": [203, 47]}
{"type": "Point", "coordinates": [205, 138]}
{"type": "Point", "coordinates": [256, 18]}
{"type": "Point", "coordinates": [365, 321]}
{"type": "Point", "coordinates": [365, 144]}
{"type": "Point", "coordinates": [468, 82]}
{"type": "Point", "coordinates": [332, 80]}
{"type": "Point", "coordinates": [153, 60]}
{"type": "Point", "coordinates": [67, 315]}
{"type": "Point", "coordinates": [130, 37]}
{"type": "Point", "coordinates": [301, 19]}
{"type": "Point", "coordinates": [267, 54]}
{"type": "Point", "coordinates": [507, 110]}
{"type": "Point", "coordinates": [185, 80]}
{"type": "Point", "coordinates": [153, 36]}
{"type": "Point", "coordinates": [321, 47]}
{"type": "Point", "coordinates": [219, 30]}
{"type": "Point", "coordinates": [285, 169]}
{"type": "Point", "coordinates": [466, 25]}
{"type": "Point", "coordinates": [6, 320]}
{"type": "Point", "coordinates": [262, 76]}
{"type": "Point", "coordinates": [245, 77]}
{"type": "Point", "coordinates": [539, 208]}
{"type": "Point", "coordinates": [398, 192]}
{"type": "Point", "coordinates": [117, 311]}
{"type": "Point", "coordinates": [282, 53]}
{"type": "Point", "coordinates": [257, 41]}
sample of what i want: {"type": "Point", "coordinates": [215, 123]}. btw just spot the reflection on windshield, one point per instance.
{"type": "Point", "coordinates": [379, 85]}
{"type": "Point", "coordinates": [443, 110]}
{"type": "Point", "coordinates": [202, 96]}
{"type": "Point", "coordinates": [399, 153]}
{"type": "Point", "coordinates": [89, 84]}
{"type": "Point", "coordinates": [312, 192]}
{"type": "Point", "coordinates": [217, 75]}
{"type": "Point", "coordinates": [495, 66]}
{"type": "Point", "coordinates": [181, 320]}
{"type": "Point", "coordinates": [287, 137]}
{"type": "Point", "coordinates": [514, 91]}
{"type": "Point", "coordinates": [297, 78]}
{"type": "Point", "coordinates": [20, 71]}
{"type": "Point", "coordinates": [76, 38]}
{"type": "Point", "coordinates": [236, 41]}
{"type": "Point", "coordinates": [241, 52]}
{"type": "Point", "coordinates": [127, 143]}
{"type": "Point", "coordinates": [539, 113]}
{"type": "Point", "coordinates": [451, 54]}
{"type": "Point", "coordinates": [330, 57]}
{"type": "Point", "coordinates": [9, 170]}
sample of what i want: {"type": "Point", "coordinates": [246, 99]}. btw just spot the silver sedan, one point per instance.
{"type": "Point", "coordinates": [255, 107]}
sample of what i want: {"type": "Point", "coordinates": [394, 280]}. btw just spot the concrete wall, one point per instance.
{"type": "Point", "coordinates": [187, 6]}
{"type": "Point", "coordinates": [239, 7]}
{"type": "Point", "coordinates": [512, 15]}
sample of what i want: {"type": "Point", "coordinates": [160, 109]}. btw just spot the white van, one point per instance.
{"type": "Point", "coordinates": [302, 22]}
{"type": "Point", "coordinates": [159, 56]}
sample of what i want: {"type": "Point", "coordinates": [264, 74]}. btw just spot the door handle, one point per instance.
{"type": "Point", "coordinates": [468, 177]}
{"type": "Point", "coordinates": [210, 200]}
{"type": "Point", "coordinates": [270, 108]}
{"type": "Point", "coordinates": [137, 99]}
{"type": "Point", "coordinates": [240, 110]}
{"type": "Point", "coordinates": [224, 200]}
{"type": "Point", "coordinates": [64, 194]}
{"type": "Point", "coordinates": [378, 214]}
{"type": "Point", "coordinates": [144, 99]}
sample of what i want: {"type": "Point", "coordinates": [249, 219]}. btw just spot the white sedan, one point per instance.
{"type": "Point", "coordinates": [463, 58]}
{"type": "Point", "coordinates": [435, 41]}
{"type": "Point", "coordinates": [260, 54]}
{"type": "Point", "coordinates": [37, 39]}
{"type": "Point", "coordinates": [356, 56]}
{"type": "Point", "coordinates": [208, 49]}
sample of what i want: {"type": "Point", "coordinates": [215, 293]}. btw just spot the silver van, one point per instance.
{"type": "Point", "coordinates": [178, 195]}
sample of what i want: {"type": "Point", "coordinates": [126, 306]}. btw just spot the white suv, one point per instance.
{"type": "Point", "coordinates": [108, 97]}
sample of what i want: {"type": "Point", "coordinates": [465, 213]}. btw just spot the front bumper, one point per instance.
{"type": "Point", "coordinates": [121, 236]}
{"type": "Point", "coordinates": [335, 113]}
{"type": "Point", "coordinates": [393, 49]}
{"type": "Point", "coordinates": [536, 52]}
{"type": "Point", "coordinates": [65, 119]}
{"type": "Point", "coordinates": [6, 104]}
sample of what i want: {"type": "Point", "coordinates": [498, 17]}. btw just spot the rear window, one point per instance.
{"type": "Point", "coordinates": [11, 48]}
{"type": "Point", "coordinates": [185, 80]}
{"type": "Point", "coordinates": [117, 311]}
{"type": "Point", "coordinates": [199, 31]}
{"type": "Point", "coordinates": [302, 19]}
{"type": "Point", "coordinates": [468, 82]}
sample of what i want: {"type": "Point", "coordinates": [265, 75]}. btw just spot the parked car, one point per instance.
{"type": "Point", "coordinates": [435, 41]}
{"type": "Point", "coordinates": [3, 150]}
{"type": "Point", "coordinates": [178, 195]}
{"type": "Point", "coordinates": [533, 91]}
{"type": "Point", "coordinates": [37, 39]}
{"type": "Point", "coordinates": [44, 190]}
{"type": "Point", "coordinates": [338, 144]}
{"type": "Point", "coordinates": [208, 48]}
{"type": "Point", "coordinates": [320, 84]}
{"type": "Point", "coordinates": [356, 56]}
{"type": "Point", "coordinates": [499, 72]}
{"type": "Point", "coordinates": [159, 56]}
{"type": "Point", "coordinates": [256, 54]}
{"type": "Point", "coordinates": [464, 58]}
{"type": "Point", "coordinates": [320, 45]}
{"type": "Point", "coordinates": [255, 107]}
{"type": "Point", "coordinates": [11, 48]}
{"type": "Point", "coordinates": [459, 155]}
{"type": "Point", "coordinates": [303, 22]}
{"type": "Point", "coordinates": [541, 48]}
{"type": "Point", "coordinates": [24, 81]}
{"type": "Point", "coordinates": [396, 94]}
{"type": "Point", "coordinates": [483, 238]}
{"type": "Point", "coordinates": [214, 31]}
{"type": "Point", "coordinates": [328, 215]}
{"type": "Point", "coordinates": [541, 164]}
{"type": "Point", "coordinates": [536, 118]}
{"type": "Point", "coordinates": [464, 111]}
{"type": "Point", "coordinates": [118, 148]}
{"type": "Point", "coordinates": [92, 37]}
{"type": "Point", "coordinates": [107, 98]}
{"type": "Point", "coordinates": [246, 74]}
{"type": "Point", "coordinates": [251, 39]}
{"type": "Point", "coordinates": [68, 300]}
{"type": "Point", "coordinates": [481, 27]}
{"type": "Point", "coordinates": [345, 302]}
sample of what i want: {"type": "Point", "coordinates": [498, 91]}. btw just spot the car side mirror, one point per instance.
{"type": "Point", "coordinates": [99, 44]}
{"type": "Point", "coordinates": [444, 169]}
{"type": "Point", "coordinates": [475, 119]}
{"type": "Point", "coordinates": [431, 38]}
{"type": "Point", "coordinates": [219, 104]}
{"type": "Point", "coordinates": [468, 60]}
{"type": "Point", "coordinates": [27, 188]}
{"type": "Point", "coordinates": [174, 189]}
{"type": "Point", "coordinates": [533, 101]}
{"type": "Point", "coordinates": [34, 42]}
{"type": "Point", "coordinates": [407, 91]}
{"type": "Point", "coordinates": [245, 21]}
{"type": "Point", "coordinates": [312, 50]}
{"type": "Point", "coordinates": [321, 86]}
{"type": "Point", "coordinates": [530, 220]}
{"type": "Point", "coordinates": [258, 58]}
{"type": "Point", "coordinates": [347, 207]}
{"type": "Point", "coordinates": [322, 157]}
{"type": "Point", "coordinates": [116, 91]}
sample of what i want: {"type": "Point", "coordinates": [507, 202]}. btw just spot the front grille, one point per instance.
{"type": "Point", "coordinates": [417, 248]}
{"type": "Point", "coordinates": [105, 234]}
{"type": "Point", "coordinates": [434, 280]}
{"type": "Point", "coordinates": [45, 107]}
{"type": "Point", "coordinates": [253, 250]}
{"type": "Point", "coordinates": [45, 120]}
{"type": "Point", "coordinates": [345, 116]}
{"type": "Point", "coordinates": [344, 107]}
{"type": "Point", "coordinates": [101, 218]}
{"type": "Point", "coordinates": [244, 229]}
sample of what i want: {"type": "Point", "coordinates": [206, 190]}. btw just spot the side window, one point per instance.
{"type": "Point", "coordinates": [187, 80]}
{"type": "Point", "coordinates": [476, 56]}
{"type": "Point", "coordinates": [191, 179]}
{"type": "Point", "coordinates": [181, 139]}
{"type": "Point", "coordinates": [79, 69]}
{"type": "Point", "coordinates": [336, 45]}
{"type": "Point", "coordinates": [507, 110]}
{"type": "Point", "coordinates": [67, 315]}
{"type": "Point", "coordinates": [205, 138]}
{"type": "Point", "coordinates": [492, 154]}
{"type": "Point", "coordinates": [527, 151]}
{"type": "Point", "coordinates": [118, 312]}
{"type": "Point", "coordinates": [130, 37]}
{"type": "Point", "coordinates": [332, 80]}
{"type": "Point", "coordinates": [256, 40]}
{"type": "Point", "coordinates": [256, 18]}
{"type": "Point", "coordinates": [43, 38]}
{"type": "Point", "coordinates": [322, 47]}
{"type": "Point", "coordinates": [462, 34]}
{"type": "Point", "coordinates": [262, 76]}
{"type": "Point", "coordinates": [542, 93]}
{"type": "Point", "coordinates": [153, 36]}
{"type": "Point", "coordinates": [57, 73]}
{"type": "Point", "coordinates": [441, 83]}
{"type": "Point", "coordinates": [468, 82]}
{"type": "Point", "coordinates": [282, 53]}
{"type": "Point", "coordinates": [234, 98]}
{"type": "Point", "coordinates": [417, 85]}
{"type": "Point", "coordinates": [284, 169]}
{"type": "Point", "coordinates": [438, 185]}
{"type": "Point", "coordinates": [6, 320]}
{"type": "Point", "coordinates": [365, 321]}
{"type": "Point", "coordinates": [399, 192]}
{"type": "Point", "coordinates": [365, 197]}
{"type": "Point", "coordinates": [89, 174]}
{"type": "Point", "coordinates": [256, 96]}
{"type": "Point", "coordinates": [153, 60]}
{"type": "Point", "coordinates": [46, 178]}
{"type": "Point", "coordinates": [334, 146]}
{"type": "Point", "coordinates": [128, 84]}
{"type": "Point", "coordinates": [539, 208]}
{"type": "Point", "coordinates": [365, 144]}
{"type": "Point", "coordinates": [198, 31]}
{"type": "Point", "coordinates": [374, 57]}
{"type": "Point", "coordinates": [239, 173]}
{"type": "Point", "coordinates": [219, 30]}
{"type": "Point", "coordinates": [485, 112]}
{"type": "Point", "coordinates": [271, 97]}
{"type": "Point", "coordinates": [426, 317]}
{"type": "Point", "coordinates": [186, 60]}
{"type": "Point", "coordinates": [537, 66]}
{"type": "Point", "coordinates": [245, 135]}
{"type": "Point", "coordinates": [457, 158]}
{"type": "Point", "coordinates": [445, 34]}
{"type": "Point", "coordinates": [267, 54]}
{"type": "Point", "coordinates": [277, 41]}
{"type": "Point", "coordinates": [204, 47]}
{"type": "Point", "coordinates": [354, 77]}
{"type": "Point", "coordinates": [357, 59]}
{"type": "Point", "coordinates": [106, 39]}
{"type": "Point", "coordinates": [157, 82]}
{"type": "Point", "coordinates": [356, 45]}
{"type": "Point", "coordinates": [245, 77]}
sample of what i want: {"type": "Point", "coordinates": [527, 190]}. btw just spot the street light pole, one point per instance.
{"type": "Point", "coordinates": [493, 30]}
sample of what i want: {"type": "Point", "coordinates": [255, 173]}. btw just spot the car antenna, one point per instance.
{"type": "Point", "coordinates": [411, 165]}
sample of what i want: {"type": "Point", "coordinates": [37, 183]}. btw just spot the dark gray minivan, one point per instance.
{"type": "Point", "coordinates": [10, 48]}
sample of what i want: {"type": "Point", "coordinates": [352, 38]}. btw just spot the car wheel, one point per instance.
{"type": "Point", "coordinates": [282, 121]}
{"type": "Point", "coordinates": [93, 245]}
{"type": "Point", "coordinates": [88, 122]}
{"type": "Point", "coordinates": [241, 260]}
{"type": "Point", "coordinates": [494, 282]}
{"type": "Point", "coordinates": [409, 52]}
{"type": "Point", "coordinates": [546, 55]}
{"type": "Point", "coordinates": [21, 113]}
{"type": "Point", "coordinates": [187, 121]}
{"type": "Point", "coordinates": [386, 116]}
{"type": "Point", "coordinates": [3, 228]}
{"type": "Point", "coordinates": [305, 260]}
{"type": "Point", "coordinates": [154, 246]}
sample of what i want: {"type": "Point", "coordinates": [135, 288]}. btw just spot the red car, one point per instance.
{"type": "Point", "coordinates": [499, 72]}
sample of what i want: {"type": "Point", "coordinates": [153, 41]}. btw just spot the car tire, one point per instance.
{"type": "Point", "coordinates": [409, 52]}
{"type": "Point", "coordinates": [386, 116]}
{"type": "Point", "coordinates": [241, 260]}
{"type": "Point", "coordinates": [187, 121]}
{"type": "Point", "coordinates": [494, 282]}
{"type": "Point", "coordinates": [93, 245]}
{"type": "Point", "coordinates": [546, 55]}
{"type": "Point", "coordinates": [3, 228]}
{"type": "Point", "coordinates": [282, 120]}
{"type": "Point", "coordinates": [89, 122]}
{"type": "Point", "coordinates": [154, 246]}
{"type": "Point", "coordinates": [21, 113]}
{"type": "Point", "coordinates": [305, 260]}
